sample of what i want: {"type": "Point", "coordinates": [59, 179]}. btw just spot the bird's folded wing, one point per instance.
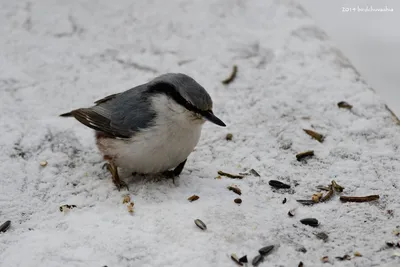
{"type": "Point", "coordinates": [98, 122]}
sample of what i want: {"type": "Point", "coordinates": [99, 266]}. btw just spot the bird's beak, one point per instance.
{"type": "Point", "coordinates": [209, 115]}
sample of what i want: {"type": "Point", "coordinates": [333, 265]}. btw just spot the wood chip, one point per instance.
{"type": "Point", "coordinates": [359, 199]}
{"type": "Point", "coordinates": [303, 155]}
{"type": "Point", "coordinates": [229, 175]}
{"type": "Point", "coordinates": [316, 197]}
{"type": "Point", "coordinates": [193, 198]}
{"type": "Point", "coordinates": [319, 137]}
{"type": "Point", "coordinates": [323, 236]}
{"type": "Point", "coordinates": [126, 199]}
{"type": "Point", "coordinates": [343, 104]}
{"type": "Point", "coordinates": [65, 208]}
{"type": "Point", "coordinates": [306, 202]}
{"type": "Point", "coordinates": [130, 207]}
{"type": "Point", "coordinates": [235, 189]}
{"type": "Point", "coordinates": [229, 137]}
{"type": "Point", "coordinates": [232, 76]}
{"type": "Point", "coordinates": [325, 259]}
{"type": "Point", "coordinates": [357, 254]}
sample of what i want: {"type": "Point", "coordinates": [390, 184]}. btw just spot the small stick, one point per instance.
{"type": "Point", "coordinates": [233, 176]}
{"type": "Point", "coordinates": [359, 199]}
{"type": "Point", "coordinates": [232, 76]}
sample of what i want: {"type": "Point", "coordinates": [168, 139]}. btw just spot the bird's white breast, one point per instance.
{"type": "Point", "coordinates": [160, 147]}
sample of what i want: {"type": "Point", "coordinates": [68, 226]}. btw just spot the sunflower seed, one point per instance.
{"type": "Point", "coordinates": [235, 189]}
{"type": "Point", "coordinates": [232, 76]}
{"type": "Point", "coordinates": [306, 202]}
{"type": "Point", "coordinates": [284, 201]}
{"type": "Point", "coordinates": [266, 250]}
{"type": "Point", "coordinates": [325, 259]}
{"type": "Point", "coordinates": [200, 224]}
{"type": "Point", "coordinates": [243, 259]}
{"type": "Point", "coordinates": [343, 104]}
{"type": "Point", "coordinates": [235, 259]}
{"type": "Point", "coordinates": [310, 221]}
{"type": "Point", "coordinates": [257, 260]}
{"type": "Point", "coordinates": [278, 184]}
{"type": "Point", "coordinates": [345, 257]}
{"type": "Point", "coordinates": [301, 264]}
{"type": "Point", "coordinates": [4, 227]}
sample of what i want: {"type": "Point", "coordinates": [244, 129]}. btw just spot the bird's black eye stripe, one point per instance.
{"type": "Point", "coordinates": [170, 90]}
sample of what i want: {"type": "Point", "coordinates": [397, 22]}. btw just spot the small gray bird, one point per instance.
{"type": "Point", "coordinates": [151, 128]}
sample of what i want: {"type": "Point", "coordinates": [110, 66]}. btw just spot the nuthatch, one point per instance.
{"type": "Point", "coordinates": [151, 128]}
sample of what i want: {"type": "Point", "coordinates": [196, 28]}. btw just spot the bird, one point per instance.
{"type": "Point", "coordinates": [150, 128]}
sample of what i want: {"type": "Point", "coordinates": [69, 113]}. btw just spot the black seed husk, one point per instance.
{"type": "Point", "coordinates": [291, 213]}
{"type": "Point", "coordinates": [322, 236]}
{"type": "Point", "coordinates": [4, 227]}
{"type": "Point", "coordinates": [284, 201]}
{"type": "Point", "coordinates": [266, 250]}
{"type": "Point", "coordinates": [200, 224]}
{"type": "Point", "coordinates": [306, 202]}
{"type": "Point", "coordinates": [310, 221]}
{"type": "Point", "coordinates": [235, 259]}
{"type": "Point", "coordinates": [238, 200]}
{"type": "Point", "coordinates": [278, 184]}
{"type": "Point", "coordinates": [257, 260]}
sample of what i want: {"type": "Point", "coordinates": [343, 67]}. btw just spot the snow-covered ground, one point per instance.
{"type": "Point", "coordinates": [58, 55]}
{"type": "Point", "coordinates": [370, 39]}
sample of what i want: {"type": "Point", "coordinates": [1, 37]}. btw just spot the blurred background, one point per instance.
{"type": "Point", "coordinates": [371, 40]}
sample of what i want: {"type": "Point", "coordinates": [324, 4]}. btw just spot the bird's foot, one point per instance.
{"type": "Point", "coordinates": [170, 175]}
{"type": "Point", "coordinates": [115, 177]}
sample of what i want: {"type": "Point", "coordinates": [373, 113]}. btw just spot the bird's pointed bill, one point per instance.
{"type": "Point", "coordinates": [209, 115]}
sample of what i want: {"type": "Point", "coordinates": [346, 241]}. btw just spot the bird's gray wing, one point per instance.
{"type": "Point", "coordinates": [119, 115]}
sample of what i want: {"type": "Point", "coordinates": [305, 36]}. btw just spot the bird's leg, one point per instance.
{"type": "Point", "coordinates": [115, 177]}
{"type": "Point", "coordinates": [175, 172]}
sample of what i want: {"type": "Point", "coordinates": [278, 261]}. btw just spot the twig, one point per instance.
{"type": "Point", "coordinates": [233, 176]}
{"type": "Point", "coordinates": [232, 76]}
{"type": "Point", "coordinates": [359, 199]}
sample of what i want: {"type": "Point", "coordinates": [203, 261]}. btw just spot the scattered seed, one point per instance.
{"type": "Point", "coordinates": [200, 224]}
{"type": "Point", "coordinates": [302, 249]}
{"type": "Point", "coordinates": [126, 199]}
{"type": "Point", "coordinates": [343, 104]}
{"type": "Point", "coordinates": [257, 260]}
{"type": "Point", "coordinates": [304, 155]}
{"type": "Point", "coordinates": [301, 264]}
{"type": "Point", "coordinates": [235, 189]}
{"type": "Point", "coordinates": [310, 221]}
{"type": "Point", "coordinates": [345, 257]}
{"type": "Point", "coordinates": [232, 76]}
{"type": "Point", "coordinates": [43, 163]}
{"type": "Point", "coordinates": [322, 236]}
{"type": "Point", "coordinates": [265, 250]}
{"type": "Point", "coordinates": [66, 207]}
{"type": "Point", "coordinates": [316, 197]}
{"type": "Point", "coordinates": [338, 188]}
{"type": "Point", "coordinates": [130, 207]}
{"type": "Point", "coordinates": [233, 176]}
{"type": "Point", "coordinates": [328, 195]}
{"type": "Point", "coordinates": [319, 137]}
{"type": "Point", "coordinates": [357, 254]}
{"type": "Point", "coordinates": [4, 227]}
{"type": "Point", "coordinates": [243, 259]}
{"type": "Point", "coordinates": [306, 202]}
{"type": "Point", "coordinates": [229, 137]}
{"type": "Point", "coordinates": [278, 184]}
{"type": "Point", "coordinates": [359, 199]}
{"type": "Point", "coordinates": [325, 259]}
{"type": "Point", "coordinates": [193, 198]}
{"type": "Point", "coordinates": [252, 171]}
{"type": "Point", "coordinates": [284, 201]}
{"type": "Point", "coordinates": [218, 177]}
{"type": "Point", "coordinates": [390, 244]}
{"type": "Point", "coordinates": [291, 213]}
{"type": "Point", "coordinates": [238, 200]}
{"type": "Point", "coordinates": [235, 259]}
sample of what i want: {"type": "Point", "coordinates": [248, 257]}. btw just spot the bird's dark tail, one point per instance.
{"type": "Point", "coordinates": [68, 114]}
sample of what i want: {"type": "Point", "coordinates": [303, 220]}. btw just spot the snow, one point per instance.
{"type": "Point", "coordinates": [369, 39]}
{"type": "Point", "coordinates": [57, 55]}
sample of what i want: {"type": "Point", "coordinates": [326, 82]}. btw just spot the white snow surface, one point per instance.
{"type": "Point", "coordinates": [60, 55]}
